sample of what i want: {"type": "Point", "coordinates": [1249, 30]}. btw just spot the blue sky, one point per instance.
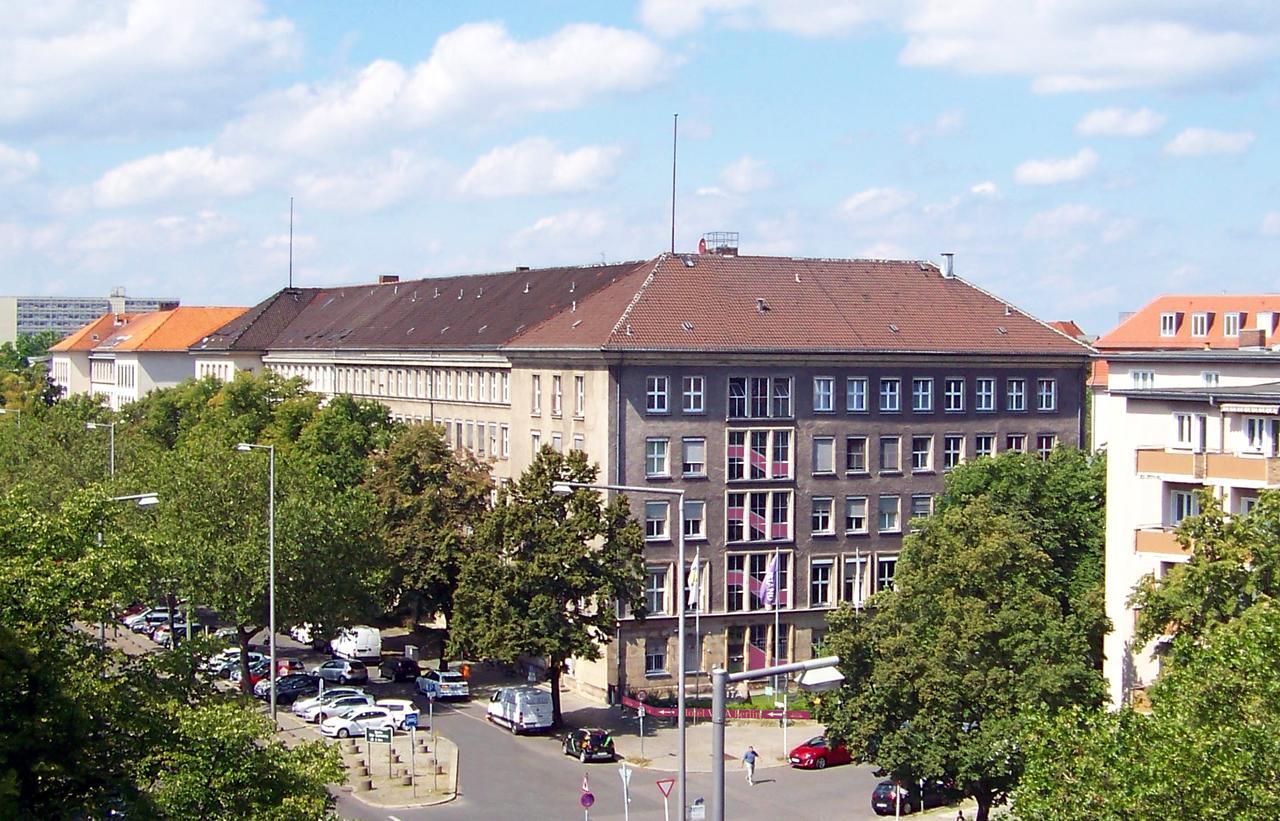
{"type": "Point", "coordinates": [1078, 156]}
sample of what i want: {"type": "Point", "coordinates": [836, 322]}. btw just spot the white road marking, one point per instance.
{"type": "Point", "coordinates": [392, 818]}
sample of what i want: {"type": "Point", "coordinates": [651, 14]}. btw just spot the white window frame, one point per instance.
{"type": "Point", "coordinates": [989, 450]}
{"type": "Point", "coordinates": [925, 465]}
{"type": "Point", "coordinates": [824, 394]}
{"type": "Point", "coordinates": [822, 506]}
{"type": "Point", "coordinates": [1200, 324]}
{"type": "Point", "coordinates": [1046, 395]}
{"type": "Point", "coordinates": [828, 564]}
{"type": "Point", "coordinates": [699, 533]}
{"type": "Point", "coordinates": [952, 457]}
{"type": "Point", "coordinates": [953, 394]}
{"type": "Point", "coordinates": [536, 395]}
{"type": "Point", "coordinates": [657, 391]}
{"type": "Point", "coordinates": [1016, 442]}
{"type": "Point", "coordinates": [1045, 443]}
{"type": "Point", "coordinates": [895, 526]}
{"type": "Point", "coordinates": [661, 531]}
{"type": "Point", "coordinates": [684, 456]}
{"type": "Point", "coordinates": [1015, 393]}
{"type": "Point", "coordinates": [922, 394]}
{"type": "Point", "coordinates": [984, 394]}
{"type": "Point", "coordinates": [829, 468]}
{"type": "Point", "coordinates": [579, 395]}
{"type": "Point", "coordinates": [652, 666]}
{"type": "Point", "coordinates": [557, 395]}
{"type": "Point", "coordinates": [1169, 324]}
{"type": "Point", "coordinates": [857, 585]}
{"type": "Point", "coordinates": [880, 581]}
{"type": "Point", "coordinates": [855, 394]}
{"type": "Point", "coordinates": [880, 455]}
{"type": "Point", "coordinates": [890, 394]}
{"type": "Point", "coordinates": [865, 456]}
{"type": "Point", "coordinates": [1182, 504]}
{"type": "Point", "coordinates": [1142, 379]}
{"type": "Point", "coordinates": [850, 503]}
{"type": "Point", "coordinates": [694, 393]}
{"type": "Point", "coordinates": [1210, 379]}
{"type": "Point", "coordinates": [657, 457]}
{"type": "Point", "coordinates": [1231, 322]}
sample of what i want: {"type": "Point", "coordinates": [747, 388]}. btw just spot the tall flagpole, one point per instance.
{"type": "Point", "coordinates": [695, 595]}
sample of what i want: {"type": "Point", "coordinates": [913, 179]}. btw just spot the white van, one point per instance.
{"type": "Point", "coordinates": [523, 709]}
{"type": "Point", "coordinates": [359, 642]}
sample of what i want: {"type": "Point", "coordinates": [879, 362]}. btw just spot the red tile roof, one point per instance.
{"type": "Point", "coordinates": [172, 330]}
{"type": "Point", "coordinates": [1141, 331]}
{"type": "Point", "coordinates": [92, 334]}
{"type": "Point", "coordinates": [1068, 327]}
{"type": "Point", "coordinates": [722, 303]}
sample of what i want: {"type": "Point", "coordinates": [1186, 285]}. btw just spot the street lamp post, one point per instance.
{"type": "Point", "coordinates": [111, 427]}
{"type": "Point", "coordinates": [271, 563]}
{"type": "Point", "coordinates": [17, 415]}
{"type": "Point", "coordinates": [141, 500]}
{"type": "Point", "coordinates": [565, 488]}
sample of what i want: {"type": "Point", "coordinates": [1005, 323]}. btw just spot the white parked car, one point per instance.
{"type": "Point", "coordinates": [330, 693]}
{"type": "Point", "coordinates": [442, 684]}
{"type": "Point", "coordinates": [325, 709]}
{"type": "Point", "coordinates": [357, 643]}
{"type": "Point", "coordinates": [399, 709]}
{"type": "Point", "coordinates": [356, 722]}
{"type": "Point", "coordinates": [523, 709]}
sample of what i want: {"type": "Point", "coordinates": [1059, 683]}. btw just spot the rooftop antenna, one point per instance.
{"type": "Point", "coordinates": [675, 131]}
{"type": "Point", "coordinates": [291, 242]}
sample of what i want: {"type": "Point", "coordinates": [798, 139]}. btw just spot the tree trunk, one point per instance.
{"type": "Point", "coordinates": [444, 648]}
{"type": "Point", "coordinates": [242, 638]}
{"type": "Point", "coordinates": [984, 804]}
{"type": "Point", "coordinates": [553, 669]}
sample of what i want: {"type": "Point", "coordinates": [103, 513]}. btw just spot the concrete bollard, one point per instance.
{"type": "Point", "coordinates": [363, 784]}
{"type": "Point", "coordinates": [405, 781]}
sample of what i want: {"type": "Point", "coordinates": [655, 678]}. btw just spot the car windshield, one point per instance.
{"type": "Point", "coordinates": [599, 737]}
{"type": "Point", "coordinates": [816, 742]}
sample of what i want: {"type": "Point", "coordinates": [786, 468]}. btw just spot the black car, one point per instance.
{"type": "Point", "coordinates": [290, 688]}
{"type": "Point", "coordinates": [590, 744]}
{"type": "Point", "coordinates": [399, 669]}
{"type": "Point", "coordinates": [936, 793]}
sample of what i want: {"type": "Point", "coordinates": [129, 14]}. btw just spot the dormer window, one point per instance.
{"type": "Point", "coordinates": [1200, 324]}
{"type": "Point", "coordinates": [1168, 324]}
{"type": "Point", "coordinates": [1231, 324]}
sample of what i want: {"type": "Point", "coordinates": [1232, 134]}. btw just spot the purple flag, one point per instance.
{"type": "Point", "coordinates": [769, 590]}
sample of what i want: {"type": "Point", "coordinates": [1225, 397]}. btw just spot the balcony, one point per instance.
{"type": "Point", "coordinates": [1212, 465]}
{"type": "Point", "coordinates": [1160, 540]}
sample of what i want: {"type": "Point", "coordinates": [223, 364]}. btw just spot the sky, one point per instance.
{"type": "Point", "coordinates": [1079, 157]}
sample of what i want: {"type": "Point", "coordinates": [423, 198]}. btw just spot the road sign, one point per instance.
{"type": "Point", "coordinates": [431, 694]}
{"type": "Point", "coordinates": [665, 784]}
{"type": "Point", "coordinates": [377, 736]}
{"type": "Point", "coordinates": [410, 721]}
{"type": "Point", "coordinates": [587, 800]}
{"type": "Point", "coordinates": [625, 772]}
{"type": "Point", "coordinates": [642, 695]}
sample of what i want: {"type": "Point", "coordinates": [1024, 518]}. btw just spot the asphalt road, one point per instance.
{"type": "Point", "coordinates": [528, 777]}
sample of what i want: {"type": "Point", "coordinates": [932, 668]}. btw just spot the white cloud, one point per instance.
{"type": "Point", "coordinates": [1120, 122]}
{"type": "Point", "coordinates": [144, 235]}
{"type": "Point", "coordinates": [1271, 224]}
{"type": "Point", "coordinates": [121, 66]}
{"type": "Point", "coordinates": [567, 225]}
{"type": "Point", "coordinates": [16, 165]}
{"type": "Point", "coordinates": [1053, 171]}
{"type": "Point", "coordinates": [370, 186]}
{"type": "Point", "coordinates": [475, 74]}
{"type": "Point", "coordinates": [1202, 142]}
{"type": "Point", "coordinates": [1061, 221]}
{"type": "Point", "coordinates": [947, 124]}
{"type": "Point", "coordinates": [986, 188]}
{"type": "Point", "coordinates": [874, 203]}
{"type": "Point", "coordinates": [1062, 45]}
{"type": "Point", "coordinates": [746, 175]}
{"type": "Point", "coordinates": [184, 172]}
{"type": "Point", "coordinates": [536, 166]}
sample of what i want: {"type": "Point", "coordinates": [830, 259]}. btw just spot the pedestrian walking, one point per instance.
{"type": "Point", "coordinates": [749, 760]}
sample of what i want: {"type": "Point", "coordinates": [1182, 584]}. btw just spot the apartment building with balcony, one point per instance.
{"type": "Point", "coordinates": [808, 408]}
{"type": "Point", "coordinates": [1189, 399]}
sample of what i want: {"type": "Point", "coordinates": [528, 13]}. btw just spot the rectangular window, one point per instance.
{"type": "Point", "coordinates": [854, 581]}
{"type": "Point", "coordinates": [984, 394]}
{"type": "Point", "coordinates": [536, 399]}
{"type": "Point", "coordinates": [820, 582]}
{"type": "Point", "coordinates": [1182, 503]}
{"type": "Point", "coordinates": [557, 442]}
{"type": "Point", "coordinates": [471, 386]}
{"type": "Point", "coordinates": [506, 387]}
{"type": "Point", "coordinates": [1200, 324]}
{"type": "Point", "coordinates": [855, 454]}
{"type": "Point", "coordinates": [655, 457]}
{"type": "Point", "coordinates": [1262, 435]}
{"type": "Point", "coordinates": [579, 443]}
{"type": "Point", "coordinates": [693, 391]}
{"type": "Point", "coordinates": [484, 386]}
{"type": "Point", "coordinates": [855, 394]}
{"type": "Point", "coordinates": [655, 521]}
{"type": "Point", "coordinates": [1016, 442]}
{"type": "Point", "coordinates": [1231, 324]}
{"type": "Point", "coordinates": [471, 435]}
{"type": "Point", "coordinates": [890, 395]}
{"type": "Point", "coordinates": [921, 505]}
{"type": "Point", "coordinates": [1143, 379]}
{"type": "Point", "coordinates": [1045, 443]}
{"type": "Point", "coordinates": [758, 457]}
{"type": "Point", "coordinates": [952, 451]}
{"type": "Point", "coordinates": [506, 441]}
{"type": "Point", "coordinates": [922, 395]}
{"type": "Point", "coordinates": [767, 457]}
{"type": "Point", "coordinates": [921, 453]}
{"type": "Point", "coordinates": [493, 438]}
{"type": "Point", "coordinates": [695, 457]}
{"type": "Point", "coordinates": [890, 454]}
{"type": "Point", "coordinates": [855, 514]}
{"type": "Point", "coordinates": [824, 454]}
{"type": "Point", "coordinates": [821, 522]}
{"type": "Point", "coordinates": [759, 397]}
{"type": "Point", "coordinates": [735, 579]}
{"type": "Point", "coordinates": [557, 395]}
{"type": "Point", "coordinates": [1047, 394]}
{"type": "Point", "coordinates": [655, 657]}
{"type": "Point", "coordinates": [886, 566]}
{"type": "Point", "coordinates": [1015, 394]}
{"type": "Point", "coordinates": [890, 508]}
{"type": "Point", "coordinates": [758, 516]}
{"type": "Point", "coordinates": [953, 395]}
{"type": "Point", "coordinates": [1182, 423]}
{"type": "Point", "coordinates": [1210, 379]}
{"type": "Point", "coordinates": [579, 396]}
{"type": "Point", "coordinates": [655, 590]}
{"type": "Point", "coordinates": [655, 388]}
{"type": "Point", "coordinates": [824, 394]}
{"type": "Point", "coordinates": [1168, 324]}
{"type": "Point", "coordinates": [695, 520]}
{"type": "Point", "coordinates": [984, 444]}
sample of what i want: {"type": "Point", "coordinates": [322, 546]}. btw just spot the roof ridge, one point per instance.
{"type": "Point", "coordinates": [626, 312]}
{"type": "Point", "coordinates": [1009, 304]}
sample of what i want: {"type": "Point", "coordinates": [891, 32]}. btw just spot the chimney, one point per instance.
{"type": "Point", "coordinates": [115, 303]}
{"type": "Point", "coordinates": [1253, 338]}
{"type": "Point", "coordinates": [388, 279]}
{"type": "Point", "coordinates": [948, 265]}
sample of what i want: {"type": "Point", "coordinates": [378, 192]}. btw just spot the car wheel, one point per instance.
{"type": "Point", "coordinates": [515, 728]}
{"type": "Point", "coordinates": [343, 732]}
{"type": "Point", "coordinates": [565, 748]}
{"type": "Point", "coordinates": [582, 756]}
{"type": "Point", "coordinates": [820, 762]}
{"type": "Point", "coordinates": [908, 808]}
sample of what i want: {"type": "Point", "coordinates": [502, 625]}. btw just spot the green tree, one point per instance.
{"type": "Point", "coordinates": [544, 572]}
{"type": "Point", "coordinates": [428, 496]}
{"type": "Point", "coordinates": [1208, 750]}
{"type": "Point", "coordinates": [949, 665]}
{"type": "Point", "coordinates": [342, 436]}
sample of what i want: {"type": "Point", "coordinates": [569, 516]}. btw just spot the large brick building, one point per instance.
{"type": "Point", "coordinates": [808, 408]}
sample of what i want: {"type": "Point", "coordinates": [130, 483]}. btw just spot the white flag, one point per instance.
{"type": "Point", "coordinates": [695, 583]}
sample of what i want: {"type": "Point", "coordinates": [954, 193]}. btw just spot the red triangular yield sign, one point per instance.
{"type": "Point", "coordinates": [665, 784]}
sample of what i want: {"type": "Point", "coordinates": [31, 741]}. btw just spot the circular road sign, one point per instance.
{"type": "Point", "coordinates": [587, 800]}
{"type": "Point", "coordinates": [642, 695]}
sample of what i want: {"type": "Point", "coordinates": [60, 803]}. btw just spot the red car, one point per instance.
{"type": "Point", "coordinates": [817, 753]}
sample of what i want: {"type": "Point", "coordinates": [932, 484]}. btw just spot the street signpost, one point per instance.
{"type": "Point", "coordinates": [376, 736]}
{"type": "Point", "coordinates": [587, 799]}
{"type": "Point", "coordinates": [411, 723]}
{"type": "Point", "coordinates": [665, 785]}
{"type": "Point", "coordinates": [642, 696]}
{"type": "Point", "coordinates": [625, 773]}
